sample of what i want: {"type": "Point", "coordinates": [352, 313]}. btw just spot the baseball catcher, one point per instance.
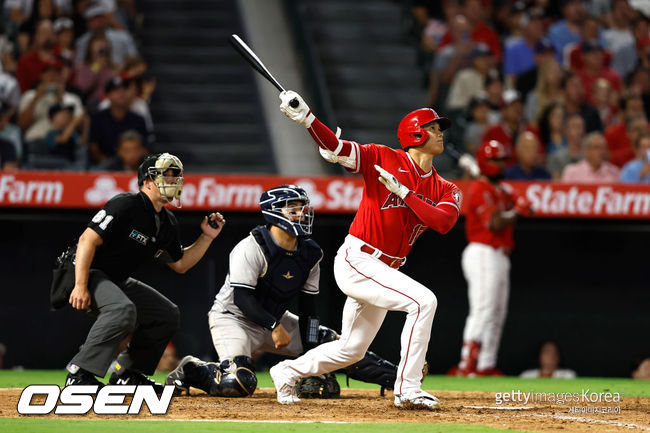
{"type": "Point", "coordinates": [267, 270]}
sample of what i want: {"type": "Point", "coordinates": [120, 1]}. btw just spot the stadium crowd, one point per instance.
{"type": "Point", "coordinates": [74, 91]}
{"type": "Point", "coordinates": [565, 84]}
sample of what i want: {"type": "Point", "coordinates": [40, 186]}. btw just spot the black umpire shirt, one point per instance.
{"type": "Point", "coordinates": [133, 233]}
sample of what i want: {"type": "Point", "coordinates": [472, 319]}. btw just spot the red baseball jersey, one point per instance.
{"type": "Point", "coordinates": [384, 220]}
{"type": "Point", "coordinates": [483, 200]}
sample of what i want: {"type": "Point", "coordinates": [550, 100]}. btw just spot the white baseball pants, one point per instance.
{"type": "Point", "coordinates": [233, 336]}
{"type": "Point", "coordinates": [373, 288]}
{"type": "Point", "coordinates": [487, 271]}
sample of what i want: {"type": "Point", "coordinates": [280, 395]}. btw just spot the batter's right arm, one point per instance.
{"type": "Point", "coordinates": [88, 243]}
{"type": "Point", "coordinates": [331, 147]}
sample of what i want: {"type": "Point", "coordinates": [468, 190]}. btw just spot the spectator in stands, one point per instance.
{"type": "Point", "coordinates": [642, 372]}
{"type": "Point", "coordinates": [9, 131]}
{"type": "Point", "coordinates": [434, 28]}
{"type": "Point", "coordinates": [603, 96]}
{"type": "Point", "coordinates": [8, 158]}
{"type": "Point", "coordinates": [31, 64]}
{"type": "Point", "coordinates": [567, 29]}
{"type": "Point", "coordinates": [35, 11]}
{"type": "Point", "coordinates": [506, 132]}
{"type": "Point", "coordinates": [95, 71]}
{"type": "Point", "coordinates": [33, 116]}
{"type": "Point", "coordinates": [450, 59]}
{"type": "Point", "coordinates": [638, 170]}
{"type": "Point", "coordinates": [574, 102]}
{"type": "Point", "coordinates": [619, 38]}
{"type": "Point", "coordinates": [471, 81]}
{"type": "Point", "coordinates": [574, 131]}
{"type": "Point", "coordinates": [551, 128]}
{"type": "Point", "coordinates": [519, 57]}
{"type": "Point", "coordinates": [477, 122]}
{"type": "Point", "coordinates": [138, 90]}
{"type": "Point", "coordinates": [64, 31]}
{"type": "Point", "coordinates": [130, 154]}
{"type": "Point", "coordinates": [528, 156]}
{"type": "Point", "coordinates": [63, 139]}
{"type": "Point", "coordinates": [7, 59]}
{"type": "Point", "coordinates": [593, 168]}
{"type": "Point", "coordinates": [549, 361]}
{"type": "Point", "coordinates": [9, 92]}
{"type": "Point", "coordinates": [620, 136]}
{"type": "Point", "coordinates": [97, 21]}
{"type": "Point", "coordinates": [108, 124]}
{"type": "Point", "coordinates": [590, 32]}
{"type": "Point", "coordinates": [592, 56]}
{"type": "Point", "coordinates": [494, 96]}
{"type": "Point", "coordinates": [548, 89]}
{"type": "Point", "coordinates": [474, 11]}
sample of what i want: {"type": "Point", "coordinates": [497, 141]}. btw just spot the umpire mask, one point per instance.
{"type": "Point", "coordinates": [166, 170]}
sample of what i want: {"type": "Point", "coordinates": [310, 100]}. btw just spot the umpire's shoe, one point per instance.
{"type": "Point", "coordinates": [132, 377]}
{"type": "Point", "coordinates": [82, 377]}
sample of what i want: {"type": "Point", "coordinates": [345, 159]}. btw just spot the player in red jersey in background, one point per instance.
{"type": "Point", "coordinates": [492, 210]}
{"type": "Point", "coordinates": [402, 197]}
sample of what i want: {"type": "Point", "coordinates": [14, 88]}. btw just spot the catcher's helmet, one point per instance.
{"type": "Point", "coordinates": [489, 151]}
{"type": "Point", "coordinates": [154, 167]}
{"type": "Point", "coordinates": [410, 132]}
{"type": "Point", "coordinates": [275, 210]}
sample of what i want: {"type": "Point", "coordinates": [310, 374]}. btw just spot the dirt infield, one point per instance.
{"type": "Point", "coordinates": [368, 406]}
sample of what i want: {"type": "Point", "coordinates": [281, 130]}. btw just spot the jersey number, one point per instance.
{"type": "Point", "coordinates": [417, 231]}
{"type": "Point", "coordinates": [103, 218]}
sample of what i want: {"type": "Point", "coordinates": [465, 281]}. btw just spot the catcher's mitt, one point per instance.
{"type": "Point", "coordinates": [325, 386]}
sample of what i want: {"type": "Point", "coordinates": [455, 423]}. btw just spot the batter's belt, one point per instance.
{"type": "Point", "coordinates": [393, 262]}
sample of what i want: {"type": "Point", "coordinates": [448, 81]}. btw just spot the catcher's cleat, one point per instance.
{"type": "Point", "coordinates": [285, 390]}
{"type": "Point", "coordinates": [177, 376]}
{"type": "Point", "coordinates": [417, 400]}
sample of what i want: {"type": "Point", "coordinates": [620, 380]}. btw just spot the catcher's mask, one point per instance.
{"type": "Point", "coordinates": [277, 208]}
{"type": "Point", "coordinates": [166, 170]}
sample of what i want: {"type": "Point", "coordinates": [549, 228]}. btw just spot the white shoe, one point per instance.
{"type": "Point", "coordinates": [417, 400]}
{"type": "Point", "coordinates": [285, 390]}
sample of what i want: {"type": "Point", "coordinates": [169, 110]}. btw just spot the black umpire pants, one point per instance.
{"type": "Point", "coordinates": [130, 308]}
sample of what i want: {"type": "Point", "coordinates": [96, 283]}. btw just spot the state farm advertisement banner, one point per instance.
{"type": "Point", "coordinates": [332, 194]}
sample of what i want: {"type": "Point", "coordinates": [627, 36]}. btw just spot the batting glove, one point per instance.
{"type": "Point", "coordinates": [300, 114]}
{"type": "Point", "coordinates": [391, 183]}
{"type": "Point", "coordinates": [523, 207]}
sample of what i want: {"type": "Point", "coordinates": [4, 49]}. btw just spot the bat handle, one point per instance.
{"type": "Point", "coordinates": [294, 103]}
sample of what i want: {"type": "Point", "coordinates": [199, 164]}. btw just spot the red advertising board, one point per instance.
{"type": "Point", "coordinates": [331, 194]}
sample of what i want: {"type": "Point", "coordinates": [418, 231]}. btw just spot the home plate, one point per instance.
{"type": "Point", "coordinates": [499, 407]}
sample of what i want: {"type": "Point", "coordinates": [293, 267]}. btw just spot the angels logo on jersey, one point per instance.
{"type": "Point", "coordinates": [394, 201]}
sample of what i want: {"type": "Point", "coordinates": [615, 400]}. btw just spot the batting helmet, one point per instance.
{"type": "Point", "coordinates": [410, 132]}
{"type": "Point", "coordinates": [155, 166]}
{"type": "Point", "coordinates": [489, 151]}
{"type": "Point", "coordinates": [274, 204]}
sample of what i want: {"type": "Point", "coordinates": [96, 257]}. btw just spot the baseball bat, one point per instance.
{"type": "Point", "coordinates": [252, 59]}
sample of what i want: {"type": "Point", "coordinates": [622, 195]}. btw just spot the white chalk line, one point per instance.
{"type": "Point", "coordinates": [500, 407]}
{"type": "Point", "coordinates": [569, 418]}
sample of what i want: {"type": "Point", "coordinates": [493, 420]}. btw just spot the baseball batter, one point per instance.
{"type": "Point", "coordinates": [492, 210]}
{"type": "Point", "coordinates": [403, 196]}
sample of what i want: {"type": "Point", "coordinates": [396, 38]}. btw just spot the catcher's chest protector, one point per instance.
{"type": "Point", "coordinates": [287, 271]}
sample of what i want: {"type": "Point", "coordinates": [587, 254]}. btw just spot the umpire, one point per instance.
{"type": "Point", "coordinates": [131, 229]}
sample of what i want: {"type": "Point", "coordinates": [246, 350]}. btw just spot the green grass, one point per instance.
{"type": "Point", "coordinates": [626, 387]}
{"type": "Point", "coordinates": [37, 425]}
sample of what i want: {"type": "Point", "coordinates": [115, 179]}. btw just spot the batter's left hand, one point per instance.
{"type": "Point", "coordinates": [213, 227]}
{"type": "Point", "coordinates": [391, 183]}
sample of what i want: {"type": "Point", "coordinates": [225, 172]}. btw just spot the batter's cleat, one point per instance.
{"type": "Point", "coordinates": [417, 400]}
{"type": "Point", "coordinates": [82, 377]}
{"type": "Point", "coordinates": [494, 372]}
{"type": "Point", "coordinates": [177, 376]}
{"type": "Point", "coordinates": [132, 377]}
{"type": "Point", "coordinates": [285, 389]}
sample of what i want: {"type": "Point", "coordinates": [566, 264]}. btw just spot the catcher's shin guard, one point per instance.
{"type": "Point", "coordinates": [235, 378]}
{"type": "Point", "coordinates": [373, 369]}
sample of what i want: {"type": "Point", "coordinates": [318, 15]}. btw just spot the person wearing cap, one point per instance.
{"type": "Point", "coordinates": [63, 139]}
{"type": "Point", "coordinates": [593, 69]}
{"type": "Point", "coordinates": [31, 64]}
{"type": "Point", "coordinates": [98, 21]}
{"type": "Point", "coordinates": [471, 81]}
{"type": "Point", "coordinates": [519, 56]}
{"type": "Point", "coordinates": [106, 125]}
{"type": "Point", "coordinates": [130, 230]}
{"type": "Point", "coordinates": [64, 31]}
{"type": "Point", "coordinates": [33, 111]}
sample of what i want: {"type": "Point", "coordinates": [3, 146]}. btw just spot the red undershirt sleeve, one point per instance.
{"type": "Point", "coordinates": [440, 218]}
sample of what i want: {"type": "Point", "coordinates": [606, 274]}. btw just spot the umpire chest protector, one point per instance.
{"type": "Point", "coordinates": [286, 271]}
